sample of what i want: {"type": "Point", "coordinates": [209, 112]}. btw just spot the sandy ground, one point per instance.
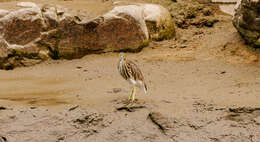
{"type": "Point", "coordinates": [203, 86]}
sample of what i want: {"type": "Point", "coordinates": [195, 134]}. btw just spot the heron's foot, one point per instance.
{"type": "Point", "coordinates": [130, 102]}
{"type": "Point", "coordinates": [131, 99]}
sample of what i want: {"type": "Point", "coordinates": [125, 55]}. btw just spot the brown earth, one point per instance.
{"type": "Point", "coordinates": [202, 86]}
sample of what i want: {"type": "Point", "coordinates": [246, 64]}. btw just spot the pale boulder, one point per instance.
{"type": "Point", "coordinates": [26, 4]}
{"type": "Point", "coordinates": [159, 22]}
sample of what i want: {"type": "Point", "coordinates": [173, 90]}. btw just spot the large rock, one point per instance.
{"type": "Point", "coordinates": [33, 32]}
{"type": "Point", "coordinates": [246, 19]}
{"type": "Point", "coordinates": [22, 26]}
{"type": "Point", "coordinates": [159, 22]}
{"type": "Point", "coordinates": [123, 28]}
{"type": "Point", "coordinates": [18, 32]}
{"type": "Point", "coordinates": [157, 19]}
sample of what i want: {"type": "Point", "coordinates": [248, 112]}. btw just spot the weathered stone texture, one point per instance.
{"type": "Point", "coordinates": [246, 20]}
{"type": "Point", "coordinates": [66, 33]}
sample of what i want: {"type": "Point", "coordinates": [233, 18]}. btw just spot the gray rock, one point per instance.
{"type": "Point", "coordinates": [246, 20]}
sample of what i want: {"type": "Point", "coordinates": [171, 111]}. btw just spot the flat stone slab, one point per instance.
{"type": "Point", "coordinates": [225, 1]}
{"type": "Point", "coordinates": [227, 8]}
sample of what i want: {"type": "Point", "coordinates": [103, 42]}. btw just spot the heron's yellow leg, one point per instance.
{"type": "Point", "coordinates": [130, 97]}
{"type": "Point", "coordinates": [133, 94]}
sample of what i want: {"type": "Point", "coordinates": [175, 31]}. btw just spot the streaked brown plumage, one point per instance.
{"type": "Point", "coordinates": [130, 72]}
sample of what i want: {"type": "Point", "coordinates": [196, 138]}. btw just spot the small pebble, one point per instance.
{"type": "Point", "coordinates": [117, 90]}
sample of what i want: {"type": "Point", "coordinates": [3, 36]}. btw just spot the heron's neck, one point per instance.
{"type": "Point", "coordinates": [122, 58]}
{"type": "Point", "coordinates": [121, 61]}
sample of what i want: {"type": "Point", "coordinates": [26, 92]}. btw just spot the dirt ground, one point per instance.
{"type": "Point", "coordinates": [202, 86]}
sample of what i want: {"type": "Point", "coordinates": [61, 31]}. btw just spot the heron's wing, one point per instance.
{"type": "Point", "coordinates": [123, 71]}
{"type": "Point", "coordinates": [134, 70]}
